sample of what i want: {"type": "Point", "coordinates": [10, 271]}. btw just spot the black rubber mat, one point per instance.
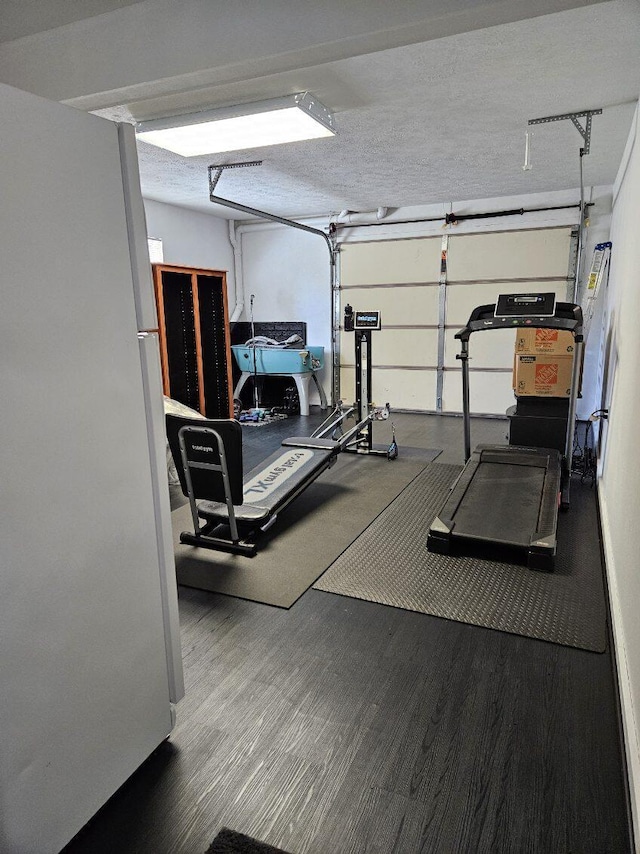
{"type": "Point", "coordinates": [231, 842]}
{"type": "Point", "coordinates": [308, 535]}
{"type": "Point", "coordinates": [389, 563]}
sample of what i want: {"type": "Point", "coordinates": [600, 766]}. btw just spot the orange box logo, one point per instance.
{"type": "Point", "coordinates": [546, 375]}
{"type": "Point", "coordinates": [546, 336]}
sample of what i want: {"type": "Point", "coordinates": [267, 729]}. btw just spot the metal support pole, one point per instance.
{"type": "Point", "coordinates": [576, 282]}
{"type": "Point", "coordinates": [365, 402]}
{"type": "Point", "coordinates": [573, 402]}
{"type": "Point", "coordinates": [466, 415]}
{"type": "Point", "coordinates": [442, 307]}
{"type": "Point", "coordinates": [359, 335]}
{"type": "Point", "coordinates": [335, 324]}
{"type": "Point", "coordinates": [567, 462]}
{"type": "Point", "coordinates": [585, 133]}
{"type": "Point", "coordinates": [572, 269]}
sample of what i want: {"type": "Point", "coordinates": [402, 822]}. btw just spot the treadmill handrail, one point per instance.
{"type": "Point", "coordinates": [567, 316]}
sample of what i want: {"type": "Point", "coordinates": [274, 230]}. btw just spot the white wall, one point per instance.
{"type": "Point", "coordinates": [288, 271]}
{"type": "Point", "coordinates": [192, 239]}
{"type": "Point", "coordinates": [620, 459]}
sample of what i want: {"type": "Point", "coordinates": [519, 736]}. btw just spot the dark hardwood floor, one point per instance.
{"type": "Point", "coordinates": [343, 726]}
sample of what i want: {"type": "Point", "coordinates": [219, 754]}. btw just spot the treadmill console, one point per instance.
{"type": "Point", "coordinates": [536, 310]}
{"type": "Point", "coordinates": [367, 320]}
{"type": "Point", "coordinates": [526, 305]}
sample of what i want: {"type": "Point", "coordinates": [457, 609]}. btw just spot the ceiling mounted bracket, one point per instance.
{"type": "Point", "coordinates": [216, 170]}
{"type": "Point", "coordinates": [585, 132]}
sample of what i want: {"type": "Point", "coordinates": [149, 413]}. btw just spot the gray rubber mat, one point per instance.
{"type": "Point", "coordinates": [307, 536]}
{"type": "Point", "coordinates": [389, 563]}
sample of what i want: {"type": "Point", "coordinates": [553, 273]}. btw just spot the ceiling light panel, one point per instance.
{"type": "Point", "coordinates": [280, 120]}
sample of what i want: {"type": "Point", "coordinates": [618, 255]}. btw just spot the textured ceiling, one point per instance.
{"type": "Point", "coordinates": [438, 121]}
{"type": "Point", "coordinates": [19, 18]}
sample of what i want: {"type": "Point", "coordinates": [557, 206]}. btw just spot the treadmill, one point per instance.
{"type": "Point", "coordinates": [504, 504]}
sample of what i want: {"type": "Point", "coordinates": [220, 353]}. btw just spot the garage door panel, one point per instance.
{"type": "Point", "coordinates": [395, 347]}
{"type": "Point", "coordinates": [405, 347]}
{"type": "Point", "coordinates": [392, 303]}
{"type": "Point", "coordinates": [399, 277]}
{"type": "Point", "coordinates": [403, 389]}
{"type": "Point", "coordinates": [347, 385]}
{"type": "Point", "coordinates": [509, 255]}
{"type": "Point", "coordinates": [347, 348]}
{"type": "Point", "coordinates": [486, 349]}
{"type": "Point", "coordinates": [400, 388]}
{"type": "Point", "coordinates": [489, 393]}
{"type": "Point", "coordinates": [461, 299]}
{"type": "Point", "coordinates": [390, 261]}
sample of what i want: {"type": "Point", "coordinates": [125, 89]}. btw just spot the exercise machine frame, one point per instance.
{"type": "Point", "coordinates": [211, 476]}
{"type": "Point", "coordinates": [362, 324]}
{"type": "Point", "coordinates": [211, 471]}
{"type": "Point", "coordinates": [447, 532]}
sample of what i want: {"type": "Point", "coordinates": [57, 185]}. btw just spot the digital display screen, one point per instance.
{"type": "Point", "coordinates": [526, 305]}
{"type": "Point", "coordinates": [367, 320]}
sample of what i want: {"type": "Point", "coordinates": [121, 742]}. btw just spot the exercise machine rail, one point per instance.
{"type": "Point", "coordinates": [236, 508]}
{"type": "Point", "coordinates": [507, 497]}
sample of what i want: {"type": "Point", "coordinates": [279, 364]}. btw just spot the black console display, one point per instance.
{"type": "Point", "coordinates": [526, 305]}
{"type": "Point", "coordinates": [367, 320]}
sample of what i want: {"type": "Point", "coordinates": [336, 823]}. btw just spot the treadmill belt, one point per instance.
{"type": "Point", "coordinates": [489, 512]}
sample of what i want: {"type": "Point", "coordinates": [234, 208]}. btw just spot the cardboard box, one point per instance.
{"type": "Point", "coordinates": [552, 342]}
{"type": "Point", "coordinates": [542, 375]}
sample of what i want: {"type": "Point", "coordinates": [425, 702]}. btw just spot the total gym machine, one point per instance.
{"type": "Point", "coordinates": [362, 324]}
{"type": "Point", "coordinates": [235, 509]}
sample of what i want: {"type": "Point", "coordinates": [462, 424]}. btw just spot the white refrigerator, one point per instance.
{"type": "Point", "coordinates": [90, 662]}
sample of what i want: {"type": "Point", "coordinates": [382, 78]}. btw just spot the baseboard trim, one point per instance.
{"type": "Point", "coordinates": [619, 654]}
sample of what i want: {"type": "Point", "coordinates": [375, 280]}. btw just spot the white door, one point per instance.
{"type": "Point", "coordinates": [83, 668]}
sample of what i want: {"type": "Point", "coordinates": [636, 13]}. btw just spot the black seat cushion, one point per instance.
{"type": "Point", "coordinates": [203, 447]}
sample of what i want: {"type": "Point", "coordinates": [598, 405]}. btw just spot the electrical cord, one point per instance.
{"type": "Point", "coordinates": [584, 459]}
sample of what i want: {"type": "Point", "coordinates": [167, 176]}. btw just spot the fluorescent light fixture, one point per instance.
{"type": "Point", "coordinates": [288, 119]}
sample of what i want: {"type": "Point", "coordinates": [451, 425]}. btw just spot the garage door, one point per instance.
{"type": "Point", "coordinates": [424, 301]}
